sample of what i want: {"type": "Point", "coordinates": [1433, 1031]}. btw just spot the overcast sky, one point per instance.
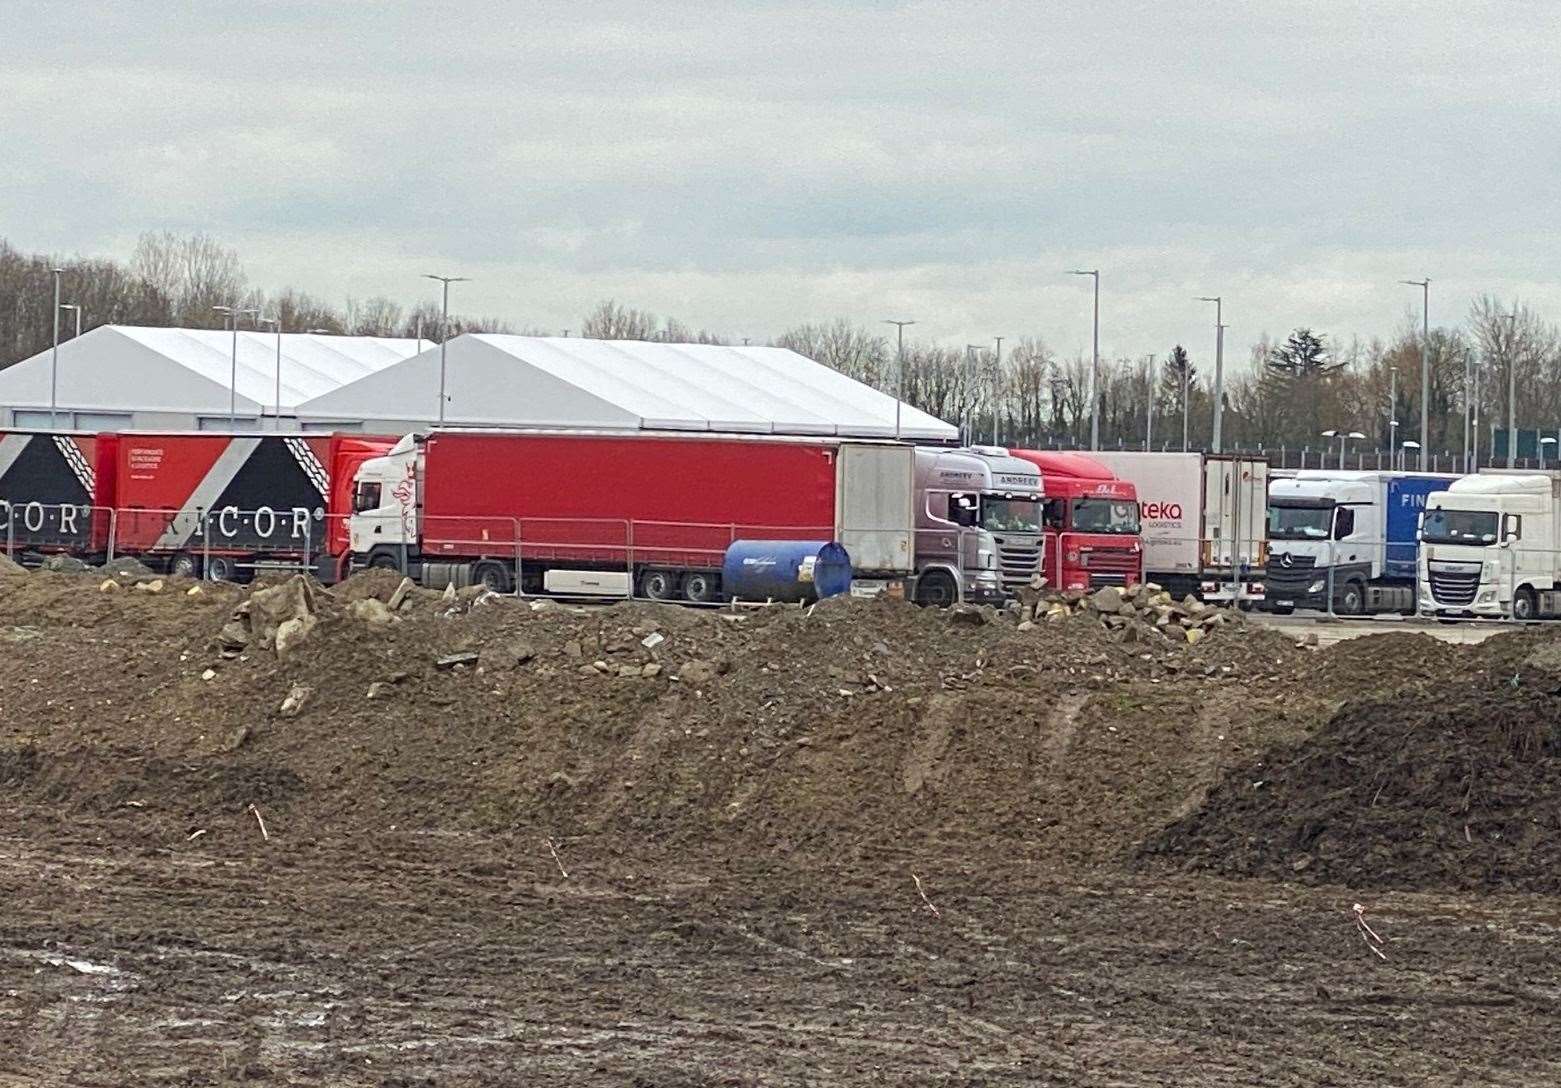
{"type": "Point", "coordinates": [752, 164]}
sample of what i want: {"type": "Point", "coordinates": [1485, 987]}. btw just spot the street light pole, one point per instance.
{"type": "Point", "coordinates": [1149, 405]}
{"type": "Point", "coordinates": [1512, 389]}
{"type": "Point", "coordinates": [975, 412]}
{"type": "Point", "coordinates": [1186, 398]}
{"type": "Point", "coordinates": [234, 313]}
{"type": "Point", "coordinates": [54, 356]}
{"type": "Point", "coordinates": [1425, 365]}
{"type": "Point", "coordinates": [899, 370]}
{"type": "Point", "coordinates": [997, 388]}
{"type": "Point", "coordinates": [1094, 366]}
{"type": "Point", "coordinates": [1393, 416]}
{"type": "Point", "coordinates": [277, 323]}
{"type": "Point", "coordinates": [444, 332]}
{"type": "Point", "coordinates": [73, 306]}
{"type": "Point", "coordinates": [1219, 368]}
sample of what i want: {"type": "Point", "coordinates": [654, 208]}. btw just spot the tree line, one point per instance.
{"type": "Point", "coordinates": [1282, 394]}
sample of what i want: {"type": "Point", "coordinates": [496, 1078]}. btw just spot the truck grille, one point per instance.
{"type": "Point", "coordinates": [1454, 585]}
{"type": "Point", "coordinates": [1017, 565]}
{"type": "Point", "coordinates": [1109, 567]}
{"type": "Point", "coordinates": [1293, 578]}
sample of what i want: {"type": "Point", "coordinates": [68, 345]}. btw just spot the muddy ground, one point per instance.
{"type": "Point", "coordinates": [867, 845]}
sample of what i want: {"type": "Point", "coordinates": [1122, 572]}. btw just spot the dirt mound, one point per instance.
{"type": "Point", "coordinates": [1459, 786]}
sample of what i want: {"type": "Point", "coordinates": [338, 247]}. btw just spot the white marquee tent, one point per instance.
{"type": "Point", "coordinates": [518, 381]}
{"type": "Point", "coordinates": [128, 377]}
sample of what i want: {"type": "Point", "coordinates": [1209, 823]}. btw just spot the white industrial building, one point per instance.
{"type": "Point", "coordinates": [524, 381]}
{"type": "Point", "coordinates": [128, 378]}
{"type": "Point", "coordinates": [122, 377]}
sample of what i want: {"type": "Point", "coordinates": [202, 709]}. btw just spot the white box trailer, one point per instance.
{"type": "Point", "coordinates": [1204, 520]}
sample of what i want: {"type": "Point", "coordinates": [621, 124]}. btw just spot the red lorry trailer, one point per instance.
{"type": "Point", "coordinates": [614, 514]}
{"type": "Point", "coordinates": [215, 505]}
{"type": "Point", "coordinates": [1090, 521]}
{"type": "Point", "coordinates": [49, 492]}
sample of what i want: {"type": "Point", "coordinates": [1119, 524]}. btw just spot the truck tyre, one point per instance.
{"type": "Point", "coordinates": [184, 565]}
{"type": "Point", "coordinates": [384, 561]}
{"type": "Point", "coordinates": [1352, 599]}
{"type": "Point", "coordinates": [221, 568]}
{"type": "Point", "coordinates": [700, 587]}
{"type": "Point", "coordinates": [493, 577]}
{"type": "Point", "coordinates": [1525, 606]}
{"type": "Point", "coordinates": [659, 585]}
{"type": "Point", "coordinates": [936, 589]}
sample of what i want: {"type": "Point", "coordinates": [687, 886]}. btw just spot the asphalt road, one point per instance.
{"type": "Point", "coordinates": [1329, 630]}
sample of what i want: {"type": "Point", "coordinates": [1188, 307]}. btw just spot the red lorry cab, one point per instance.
{"type": "Point", "coordinates": [1091, 522]}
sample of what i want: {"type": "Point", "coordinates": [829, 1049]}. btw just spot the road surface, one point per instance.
{"type": "Point", "coordinates": [1329, 631]}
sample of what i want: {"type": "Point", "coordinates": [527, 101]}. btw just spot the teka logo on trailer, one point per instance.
{"type": "Point", "coordinates": [1160, 511]}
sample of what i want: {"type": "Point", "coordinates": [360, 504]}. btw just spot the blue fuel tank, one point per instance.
{"type": "Point", "coordinates": [785, 570]}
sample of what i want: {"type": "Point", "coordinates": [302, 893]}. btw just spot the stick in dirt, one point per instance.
{"type": "Point", "coordinates": [923, 893]}
{"type": "Point", "coordinates": [264, 834]}
{"type": "Point", "coordinates": [551, 849]}
{"type": "Point", "coordinates": [1368, 934]}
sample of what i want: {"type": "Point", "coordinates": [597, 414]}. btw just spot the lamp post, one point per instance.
{"type": "Point", "coordinates": [1425, 366]}
{"type": "Point", "coordinates": [1094, 366]}
{"type": "Point", "coordinates": [1149, 405]}
{"type": "Point", "coordinates": [1343, 437]}
{"type": "Point", "coordinates": [73, 306]}
{"type": "Point", "coordinates": [899, 370]}
{"type": "Point", "coordinates": [1512, 388]}
{"type": "Point", "coordinates": [276, 323]}
{"type": "Point", "coordinates": [975, 411]}
{"type": "Point", "coordinates": [234, 312]}
{"type": "Point", "coordinates": [1219, 367]}
{"type": "Point", "coordinates": [444, 331]}
{"type": "Point", "coordinates": [997, 387]}
{"type": "Point", "coordinates": [1393, 411]}
{"type": "Point", "coordinates": [54, 355]}
{"type": "Point", "coordinates": [1186, 398]}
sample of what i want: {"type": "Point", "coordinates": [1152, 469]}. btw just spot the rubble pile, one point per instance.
{"type": "Point", "coordinates": [1137, 615]}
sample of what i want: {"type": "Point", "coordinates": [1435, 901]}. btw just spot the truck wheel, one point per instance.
{"type": "Point", "coordinates": [493, 577]}
{"type": "Point", "coordinates": [1525, 607]}
{"type": "Point", "coordinates": [1352, 599]}
{"type": "Point", "coordinates": [936, 589]}
{"type": "Point", "coordinates": [220, 568]}
{"type": "Point", "coordinates": [383, 561]}
{"type": "Point", "coordinates": [700, 587]}
{"type": "Point", "coordinates": [1282, 609]}
{"type": "Point", "coordinates": [659, 585]}
{"type": "Point", "coordinates": [184, 565]}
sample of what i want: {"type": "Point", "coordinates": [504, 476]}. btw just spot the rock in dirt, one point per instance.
{"type": "Point", "coordinates": [973, 615]}
{"type": "Point", "coordinates": [261, 616]}
{"type": "Point", "coordinates": [291, 633]}
{"type": "Point", "coordinates": [64, 564]}
{"type": "Point", "coordinates": [700, 672]}
{"type": "Point", "coordinates": [380, 689]}
{"type": "Point", "coordinates": [401, 595]}
{"type": "Point", "coordinates": [153, 586]}
{"type": "Point", "coordinates": [126, 566]}
{"type": "Point", "coordinates": [450, 661]}
{"type": "Point", "coordinates": [509, 654]}
{"type": "Point", "coordinates": [297, 697]}
{"type": "Point", "coordinates": [10, 568]}
{"type": "Point", "coordinates": [108, 586]}
{"type": "Point", "coordinates": [1107, 600]}
{"type": "Point", "coordinates": [370, 610]}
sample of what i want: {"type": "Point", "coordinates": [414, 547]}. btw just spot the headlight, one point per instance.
{"type": "Point", "coordinates": [1316, 587]}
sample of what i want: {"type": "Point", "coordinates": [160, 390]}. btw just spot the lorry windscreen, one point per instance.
{"type": "Point", "coordinates": [1011, 515]}
{"type": "Point", "coordinates": [1475, 527]}
{"type": "Point", "coordinates": [1105, 516]}
{"type": "Point", "coordinates": [1299, 522]}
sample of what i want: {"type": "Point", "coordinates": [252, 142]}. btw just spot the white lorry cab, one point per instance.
{"type": "Point", "coordinates": [978, 524]}
{"type": "Point", "coordinates": [1348, 534]}
{"type": "Point", "coordinates": [1489, 546]}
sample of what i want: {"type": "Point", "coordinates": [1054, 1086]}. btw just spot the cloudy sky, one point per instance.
{"type": "Point", "coordinates": [752, 164]}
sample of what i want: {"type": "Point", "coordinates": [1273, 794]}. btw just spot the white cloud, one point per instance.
{"type": "Point", "coordinates": [751, 164]}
